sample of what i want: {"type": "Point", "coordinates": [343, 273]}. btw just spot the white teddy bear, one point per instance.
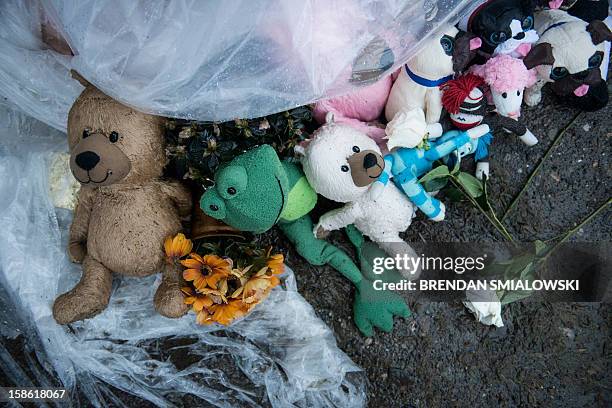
{"type": "Point", "coordinates": [341, 164]}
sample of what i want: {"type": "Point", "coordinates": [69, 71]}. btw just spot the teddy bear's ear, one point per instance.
{"type": "Point", "coordinates": [329, 118]}
{"type": "Point", "coordinates": [300, 149]}
{"type": "Point", "coordinates": [78, 77]}
{"type": "Point", "coordinates": [599, 32]}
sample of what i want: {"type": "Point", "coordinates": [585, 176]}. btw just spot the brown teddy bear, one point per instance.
{"type": "Point", "coordinates": [124, 210]}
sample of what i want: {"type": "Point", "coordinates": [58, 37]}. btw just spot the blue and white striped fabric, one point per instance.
{"type": "Point", "coordinates": [406, 165]}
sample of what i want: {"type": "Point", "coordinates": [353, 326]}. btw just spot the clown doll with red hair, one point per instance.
{"type": "Point", "coordinates": [464, 98]}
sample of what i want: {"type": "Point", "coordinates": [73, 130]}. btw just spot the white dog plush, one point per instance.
{"type": "Point", "coordinates": [341, 163]}
{"type": "Point", "coordinates": [568, 54]}
{"type": "Point", "coordinates": [417, 85]}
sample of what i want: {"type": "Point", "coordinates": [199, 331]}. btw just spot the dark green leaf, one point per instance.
{"type": "Point", "coordinates": [470, 184]}
{"type": "Point", "coordinates": [518, 265]}
{"type": "Point", "coordinates": [435, 184]}
{"type": "Point", "coordinates": [496, 269]}
{"type": "Point", "coordinates": [454, 194]}
{"type": "Point", "coordinates": [438, 172]}
{"type": "Point", "coordinates": [513, 296]}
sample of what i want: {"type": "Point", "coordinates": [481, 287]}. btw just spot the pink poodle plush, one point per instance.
{"type": "Point", "coordinates": [507, 78]}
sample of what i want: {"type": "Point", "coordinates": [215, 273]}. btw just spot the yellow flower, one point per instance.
{"type": "Point", "coordinates": [259, 286]}
{"type": "Point", "coordinates": [200, 304]}
{"type": "Point", "coordinates": [225, 313]}
{"type": "Point", "coordinates": [197, 301]}
{"type": "Point", "coordinates": [216, 295]}
{"type": "Point", "coordinates": [204, 317]}
{"type": "Point", "coordinates": [177, 247]}
{"type": "Point", "coordinates": [276, 263]}
{"type": "Point", "coordinates": [218, 280]}
{"type": "Point", "coordinates": [223, 293]}
{"type": "Point", "coordinates": [205, 271]}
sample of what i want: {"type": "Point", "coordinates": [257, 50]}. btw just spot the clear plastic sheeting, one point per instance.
{"type": "Point", "coordinates": [279, 355]}
{"type": "Point", "coordinates": [209, 60]}
{"type": "Point", "coordinates": [33, 78]}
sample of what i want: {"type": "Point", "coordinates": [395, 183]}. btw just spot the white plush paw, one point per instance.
{"type": "Point", "coordinates": [441, 214]}
{"type": "Point", "coordinates": [482, 168]}
{"type": "Point", "coordinates": [478, 131]}
{"type": "Point", "coordinates": [319, 232]}
{"type": "Point", "coordinates": [529, 138]}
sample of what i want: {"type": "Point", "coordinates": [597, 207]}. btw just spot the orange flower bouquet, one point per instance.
{"type": "Point", "coordinates": [219, 291]}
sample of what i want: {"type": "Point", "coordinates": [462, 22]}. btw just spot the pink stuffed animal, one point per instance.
{"type": "Point", "coordinates": [507, 78]}
{"type": "Point", "coordinates": [360, 109]}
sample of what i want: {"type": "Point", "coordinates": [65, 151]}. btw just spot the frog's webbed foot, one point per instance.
{"type": "Point", "coordinates": [376, 308]}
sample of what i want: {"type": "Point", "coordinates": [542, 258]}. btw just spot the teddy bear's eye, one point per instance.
{"type": "Point", "coordinates": [231, 191]}
{"type": "Point", "coordinates": [504, 95]}
{"type": "Point", "coordinates": [86, 132]}
{"type": "Point", "coordinates": [113, 137]}
{"type": "Point", "coordinates": [356, 149]}
{"type": "Point", "coordinates": [344, 168]}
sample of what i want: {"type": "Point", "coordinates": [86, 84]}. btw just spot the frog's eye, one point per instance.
{"type": "Point", "coordinates": [231, 181]}
{"type": "Point", "coordinates": [213, 205]}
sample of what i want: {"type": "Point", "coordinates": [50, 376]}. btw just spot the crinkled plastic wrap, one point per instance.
{"type": "Point", "coordinates": [208, 60]}
{"type": "Point", "coordinates": [33, 78]}
{"type": "Point", "coordinates": [280, 355]}
{"type": "Point", "coordinates": [205, 60]}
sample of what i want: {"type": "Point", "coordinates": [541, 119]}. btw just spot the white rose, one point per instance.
{"type": "Point", "coordinates": [485, 305]}
{"type": "Point", "coordinates": [407, 129]}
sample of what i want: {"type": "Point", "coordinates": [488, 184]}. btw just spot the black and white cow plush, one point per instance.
{"type": "Point", "coordinates": [504, 26]}
{"type": "Point", "coordinates": [569, 55]}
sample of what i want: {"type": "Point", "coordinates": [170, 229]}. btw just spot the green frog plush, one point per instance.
{"type": "Point", "coordinates": [256, 191]}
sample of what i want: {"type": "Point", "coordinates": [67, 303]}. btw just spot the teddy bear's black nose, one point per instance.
{"type": "Point", "coordinates": [519, 36]}
{"type": "Point", "coordinates": [369, 160]}
{"type": "Point", "coordinates": [87, 160]}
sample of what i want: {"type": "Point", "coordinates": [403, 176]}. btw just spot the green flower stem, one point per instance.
{"type": "Point", "coordinates": [581, 224]}
{"type": "Point", "coordinates": [539, 166]}
{"type": "Point", "coordinates": [491, 217]}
